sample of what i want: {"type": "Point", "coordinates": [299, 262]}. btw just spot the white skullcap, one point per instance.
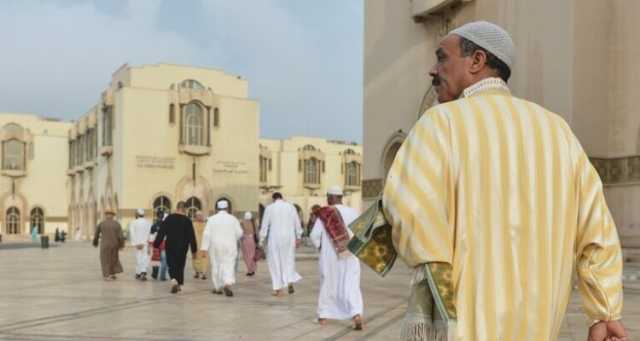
{"type": "Point", "coordinates": [248, 215]}
{"type": "Point", "coordinates": [335, 190]}
{"type": "Point", "coordinates": [140, 211]}
{"type": "Point", "coordinates": [222, 204]}
{"type": "Point", "coordinates": [491, 37]}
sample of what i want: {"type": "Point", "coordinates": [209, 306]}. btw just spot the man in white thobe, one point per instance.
{"type": "Point", "coordinates": [340, 296]}
{"type": "Point", "coordinates": [220, 241]}
{"type": "Point", "coordinates": [139, 231]}
{"type": "Point", "coordinates": [281, 230]}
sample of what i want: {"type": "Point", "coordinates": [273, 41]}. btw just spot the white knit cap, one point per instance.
{"type": "Point", "coordinates": [140, 211]}
{"type": "Point", "coordinates": [248, 215]}
{"type": "Point", "coordinates": [222, 204]}
{"type": "Point", "coordinates": [491, 37]}
{"type": "Point", "coordinates": [335, 190]}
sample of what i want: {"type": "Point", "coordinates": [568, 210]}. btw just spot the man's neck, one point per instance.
{"type": "Point", "coordinates": [487, 84]}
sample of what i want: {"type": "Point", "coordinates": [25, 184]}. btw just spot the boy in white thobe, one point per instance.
{"type": "Point", "coordinates": [220, 241]}
{"type": "Point", "coordinates": [282, 232]}
{"type": "Point", "coordinates": [139, 231]}
{"type": "Point", "coordinates": [340, 296]}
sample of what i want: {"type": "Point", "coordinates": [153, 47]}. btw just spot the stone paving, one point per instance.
{"type": "Point", "coordinates": [57, 294]}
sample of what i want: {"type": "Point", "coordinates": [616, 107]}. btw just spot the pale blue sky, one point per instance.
{"type": "Point", "coordinates": [303, 58]}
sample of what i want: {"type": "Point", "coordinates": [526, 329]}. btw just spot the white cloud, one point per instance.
{"type": "Point", "coordinates": [58, 58]}
{"type": "Point", "coordinates": [304, 67]}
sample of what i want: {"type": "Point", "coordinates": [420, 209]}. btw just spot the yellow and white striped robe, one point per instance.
{"type": "Point", "coordinates": [501, 189]}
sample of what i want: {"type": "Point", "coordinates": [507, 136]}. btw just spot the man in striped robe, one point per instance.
{"type": "Point", "coordinates": [492, 197]}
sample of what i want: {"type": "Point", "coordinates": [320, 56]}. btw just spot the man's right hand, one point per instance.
{"type": "Point", "coordinates": [607, 331]}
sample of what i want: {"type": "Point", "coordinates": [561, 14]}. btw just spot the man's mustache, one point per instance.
{"type": "Point", "coordinates": [435, 81]}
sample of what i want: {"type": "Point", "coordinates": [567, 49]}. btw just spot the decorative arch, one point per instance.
{"type": "Point", "coordinates": [187, 188]}
{"type": "Point", "coordinates": [311, 163]}
{"type": "Point", "coordinates": [13, 200]}
{"type": "Point", "coordinates": [391, 149]}
{"type": "Point", "coordinates": [12, 220]}
{"type": "Point", "coordinates": [14, 131]}
{"type": "Point", "coordinates": [161, 203]}
{"type": "Point", "coordinates": [192, 84]}
{"type": "Point", "coordinates": [193, 205]}
{"type": "Point", "coordinates": [36, 219]}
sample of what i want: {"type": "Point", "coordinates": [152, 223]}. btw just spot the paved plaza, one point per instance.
{"type": "Point", "coordinates": [58, 294]}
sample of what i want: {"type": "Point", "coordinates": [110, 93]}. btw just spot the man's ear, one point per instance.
{"type": "Point", "coordinates": [478, 61]}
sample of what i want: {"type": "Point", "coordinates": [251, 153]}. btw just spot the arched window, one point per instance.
{"type": "Point", "coordinates": [309, 147]}
{"type": "Point", "coordinates": [193, 126]}
{"type": "Point", "coordinates": [312, 171]}
{"type": "Point", "coordinates": [352, 174]}
{"type": "Point", "coordinates": [192, 84]}
{"type": "Point", "coordinates": [13, 155]}
{"type": "Point", "coordinates": [161, 204]}
{"type": "Point", "coordinates": [12, 220]}
{"type": "Point", "coordinates": [193, 206]}
{"type": "Point", "coordinates": [37, 219]}
{"type": "Point", "coordinates": [13, 129]}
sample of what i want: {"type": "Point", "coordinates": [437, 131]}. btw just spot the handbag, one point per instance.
{"type": "Point", "coordinates": [259, 254]}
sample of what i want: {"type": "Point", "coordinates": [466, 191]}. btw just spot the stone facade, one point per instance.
{"type": "Point", "coordinates": [303, 168]}
{"type": "Point", "coordinates": [33, 158]}
{"type": "Point", "coordinates": [162, 134]}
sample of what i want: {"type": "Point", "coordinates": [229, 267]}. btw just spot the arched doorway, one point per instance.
{"type": "Point", "coordinates": [390, 156]}
{"type": "Point", "coordinates": [193, 206]}
{"type": "Point", "coordinates": [391, 149]}
{"type": "Point", "coordinates": [161, 205]}
{"type": "Point", "coordinates": [12, 220]}
{"type": "Point", "coordinates": [37, 220]}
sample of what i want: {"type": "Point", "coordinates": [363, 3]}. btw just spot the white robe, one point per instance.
{"type": "Point", "coordinates": [220, 239]}
{"type": "Point", "coordinates": [280, 228]}
{"type": "Point", "coordinates": [139, 231]}
{"type": "Point", "coordinates": [340, 296]}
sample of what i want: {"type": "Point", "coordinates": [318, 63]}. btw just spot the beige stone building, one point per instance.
{"type": "Point", "coordinates": [33, 157]}
{"type": "Point", "coordinates": [162, 134]}
{"type": "Point", "coordinates": [303, 168]}
{"type": "Point", "coordinates": [577, 58]}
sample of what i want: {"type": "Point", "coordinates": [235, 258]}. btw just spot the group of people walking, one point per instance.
{"type": "Point", "coordinates": [215, 244]}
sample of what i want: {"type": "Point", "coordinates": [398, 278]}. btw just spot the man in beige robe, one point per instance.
{"type": "Point", "coordinates": [111, 240]}
{"type": "Point", "coordinates": [494, 202]}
